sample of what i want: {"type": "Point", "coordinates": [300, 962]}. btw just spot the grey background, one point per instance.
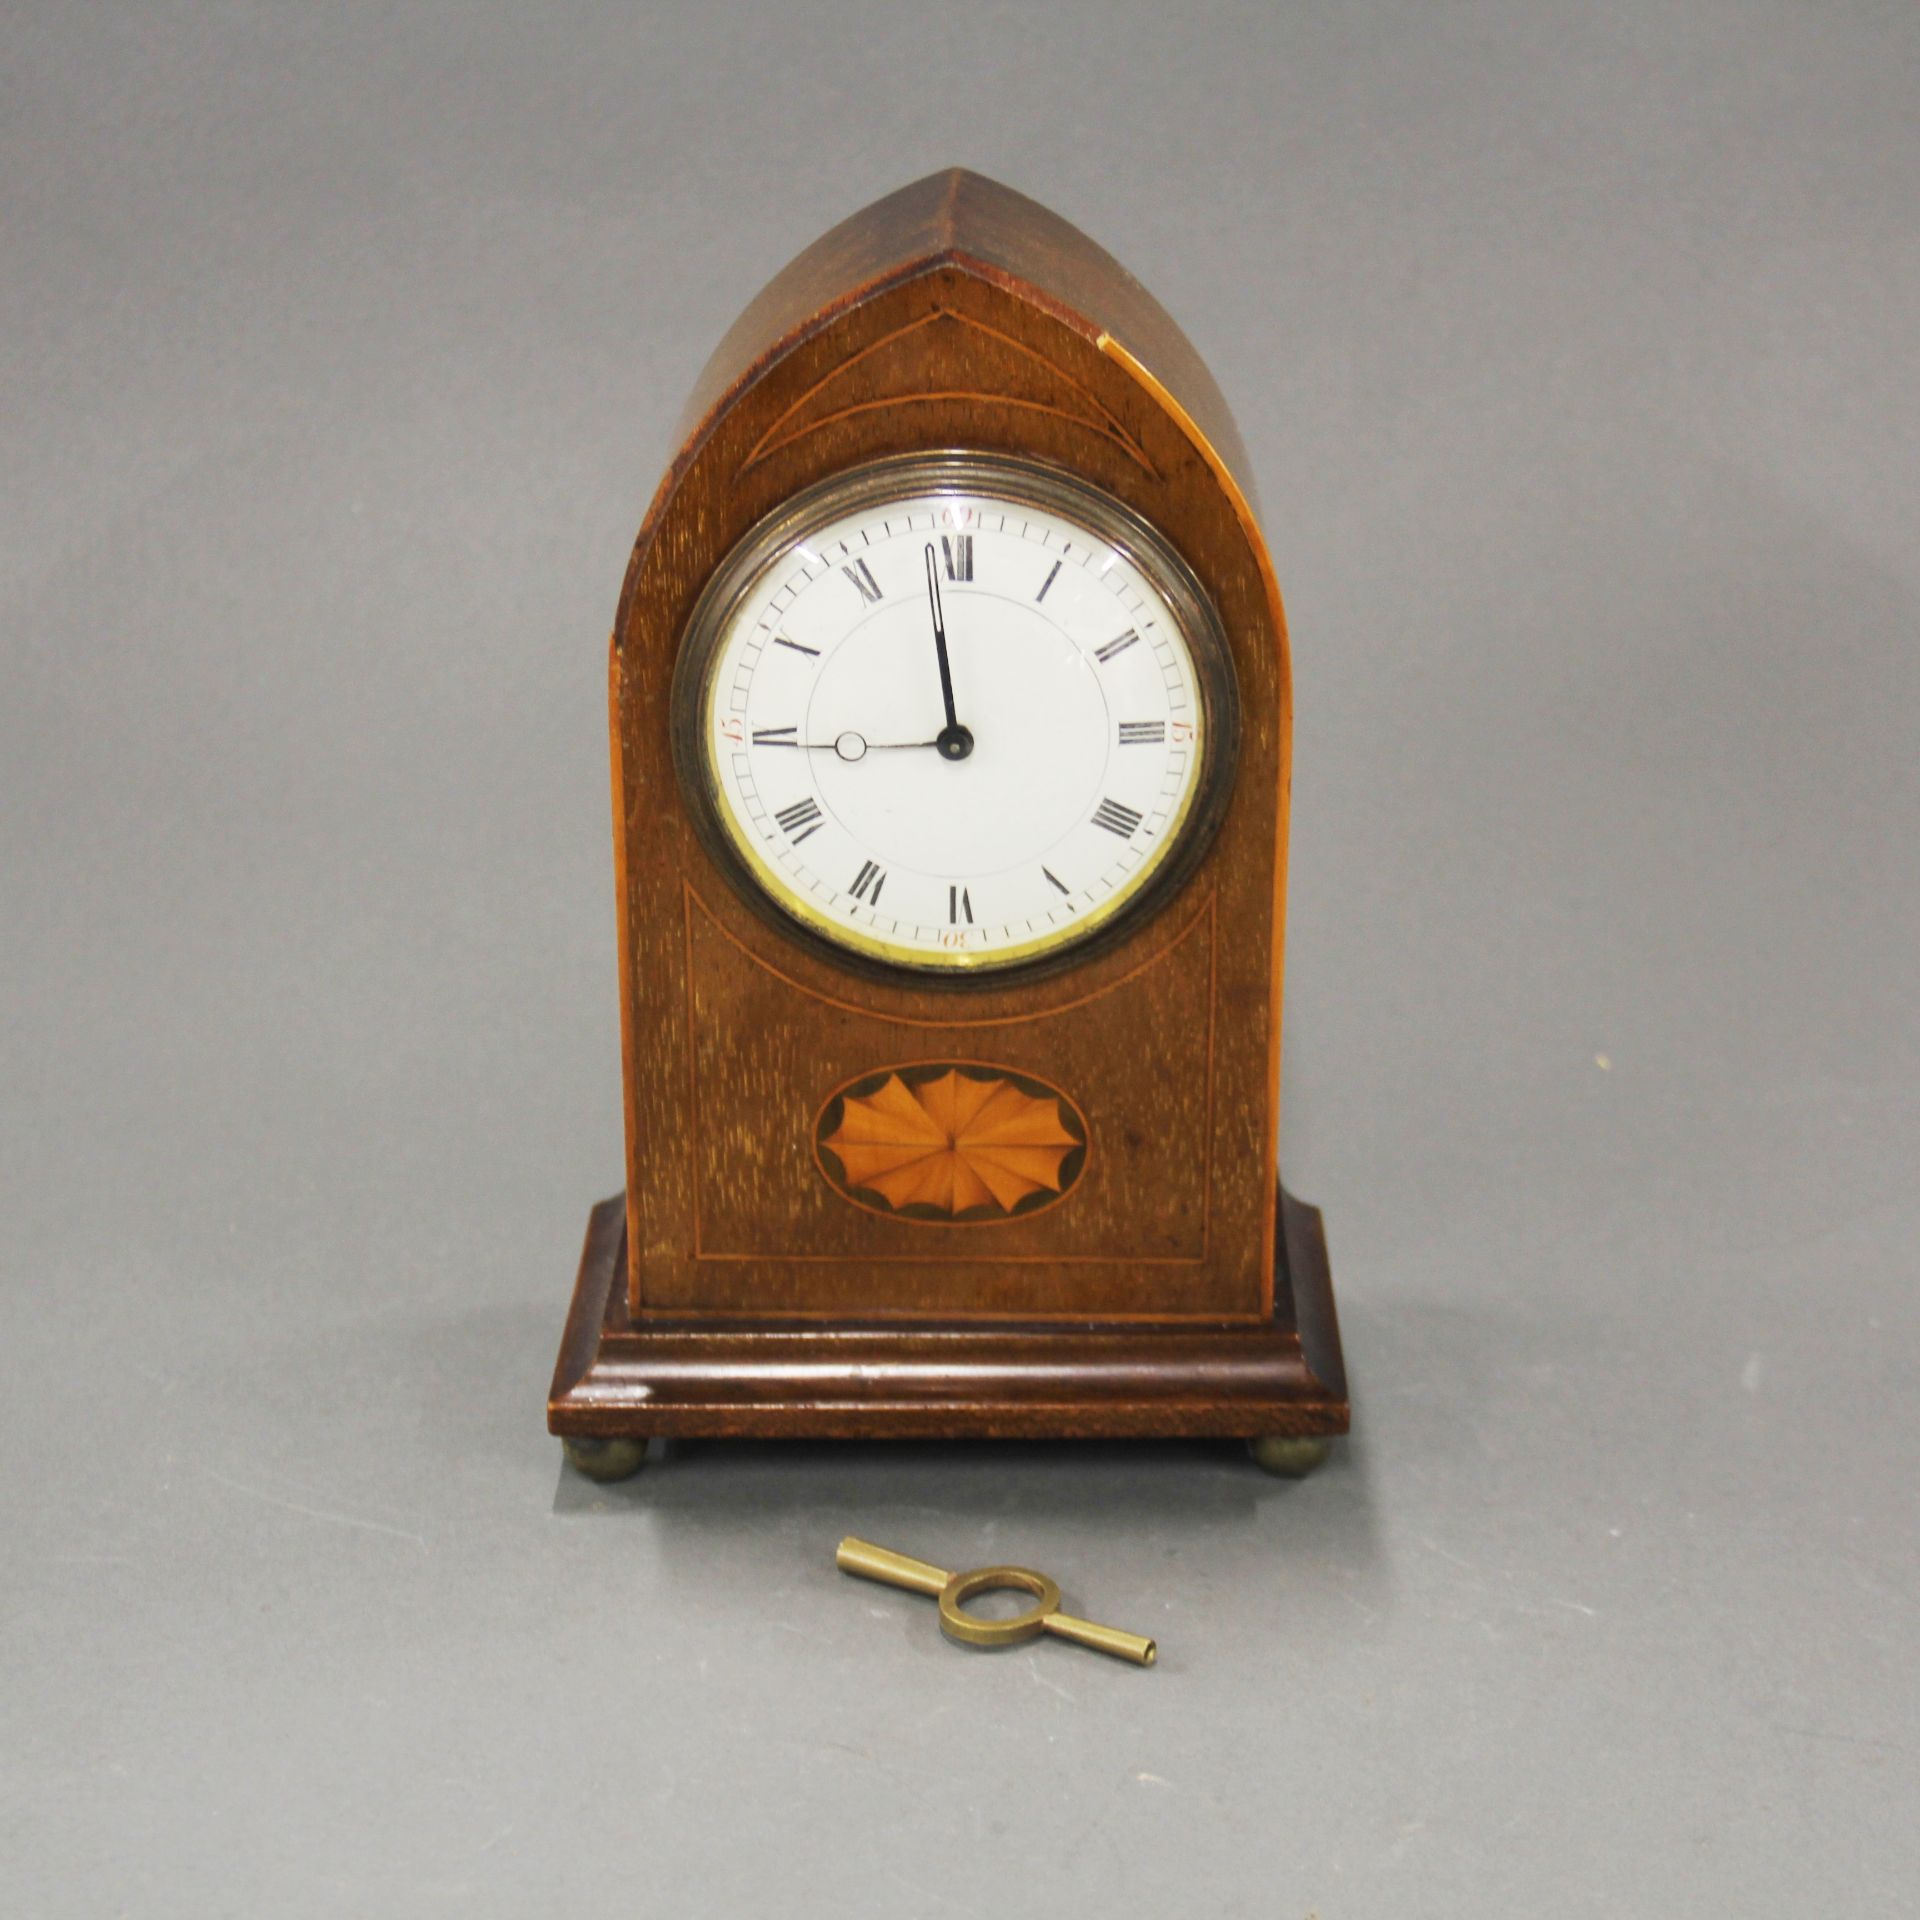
{"type": "Point", "coordinates": [1576, 350]}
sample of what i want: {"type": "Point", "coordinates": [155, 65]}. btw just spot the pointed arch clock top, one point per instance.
{"type": "Point", "coordinates": [960, 219]}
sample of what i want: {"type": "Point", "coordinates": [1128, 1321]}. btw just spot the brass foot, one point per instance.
{"type": "Point", "coordinates": [604, 1459]}
{"type": "Point", "coordinates": [1291, 1455]}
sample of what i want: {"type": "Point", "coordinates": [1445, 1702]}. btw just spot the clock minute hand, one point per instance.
{"type": "Point", "coordinates": [940, 638]}
{"type": "Point", "coordinates": [955, 742]}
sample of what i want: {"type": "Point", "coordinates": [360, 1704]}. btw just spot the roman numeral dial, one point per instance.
{"type": "Point", "coordinates": [955, 716]}
{"type": "Point", "coordinates": [800, 821]}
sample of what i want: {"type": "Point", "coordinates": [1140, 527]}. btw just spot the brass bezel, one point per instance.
{"type": "Point", "coordinates": [995, 476]}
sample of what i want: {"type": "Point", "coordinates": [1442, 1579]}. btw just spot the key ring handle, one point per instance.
{"type": "Point", "coordinates": [974, 1631]}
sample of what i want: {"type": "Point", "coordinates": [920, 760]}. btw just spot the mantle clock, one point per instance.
{"type": "Point", "coordinates": [950, 733]}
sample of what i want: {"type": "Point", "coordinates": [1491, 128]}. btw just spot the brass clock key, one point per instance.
{"type": "Point", "coordinates": [954, 1590]}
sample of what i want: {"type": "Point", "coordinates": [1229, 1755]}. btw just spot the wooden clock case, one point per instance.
{"type": "Point", "coordinates": [735, 1289]}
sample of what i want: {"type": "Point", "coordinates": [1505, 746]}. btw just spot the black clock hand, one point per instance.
{"type": "Point", "coordinates": [854, 746]}
{"type": "Point", "coordinates": [940, 639]}
{"type": "Point", "coordinates": [955, 742]}
{"type": "Point", "coordinates": [869, 746]}
{"type": "Point", "coordinates": [845, 745]}
{"type": "Point", "coordinates": [848, 743]}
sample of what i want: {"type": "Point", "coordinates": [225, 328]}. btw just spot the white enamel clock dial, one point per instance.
{"type": "Point", "coordinates": [956, 713]}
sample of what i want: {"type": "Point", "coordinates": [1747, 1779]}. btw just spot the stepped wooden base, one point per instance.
{"type": "Point", "coordinates": [619, 1380]}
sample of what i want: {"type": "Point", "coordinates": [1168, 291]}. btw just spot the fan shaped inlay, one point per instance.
{"type": "Point", "coordinates": [951, 1142]}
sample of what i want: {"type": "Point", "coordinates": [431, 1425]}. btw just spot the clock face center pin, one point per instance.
{"type": "Point", "coordinates": [954, 743]}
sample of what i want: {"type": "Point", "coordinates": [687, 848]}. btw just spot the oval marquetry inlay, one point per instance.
{"type": "Point", "coordinates": [950, 1143]}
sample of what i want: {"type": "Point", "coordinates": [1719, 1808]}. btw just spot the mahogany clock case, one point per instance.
{"type": "Point", "coordinates": [741, 1287]}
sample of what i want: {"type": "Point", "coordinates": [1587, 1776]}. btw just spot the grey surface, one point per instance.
{"type": "Point", "coordinates": [1575, 347]}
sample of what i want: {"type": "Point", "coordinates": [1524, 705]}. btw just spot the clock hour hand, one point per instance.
{"type": "Point", "coordinates": [856, 746]}
{"type": "Point", "coordinates": [848, 744]}
{"type": "Point", "coordinates": [955, 742]}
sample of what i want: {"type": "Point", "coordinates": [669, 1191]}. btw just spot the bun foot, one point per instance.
{"type": "Point", "coordinates": [1290, 1455]}
{"type": "Point", "coordinates": [604, 1460]}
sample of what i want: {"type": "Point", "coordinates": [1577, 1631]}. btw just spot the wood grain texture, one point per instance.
{"type": "Point", "coordinates": [770, 1234]}
{"type": "Point", "coordinates": [690, 1378]}
{"type": "Point", "coordinates": [992, 232]}
{"type": "Point", "coordinates": [955, 314]}
{"type": "Point", "coordinates": [892, 373]}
